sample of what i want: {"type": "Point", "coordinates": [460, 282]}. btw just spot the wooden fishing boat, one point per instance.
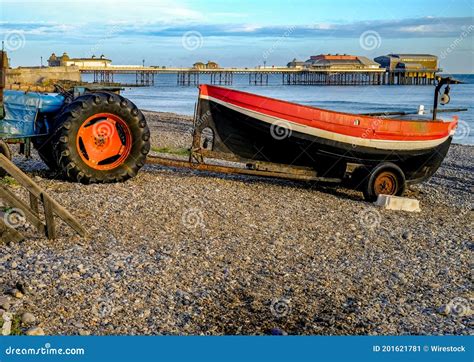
{"type": "Point", "coordinates": [377, 154]}
{"type": "Point", "coordinates": [374, 153]}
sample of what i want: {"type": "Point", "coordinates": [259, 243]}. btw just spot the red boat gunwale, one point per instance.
{"type": "Point", "coordinates": [339, 123]}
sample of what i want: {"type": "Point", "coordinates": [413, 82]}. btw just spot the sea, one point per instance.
{"type": "Point", "coordinates": [167, 96]}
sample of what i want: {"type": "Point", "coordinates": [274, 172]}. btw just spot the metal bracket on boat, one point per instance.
{"type": "Point", "coordinates": [442, 81]}
{"type": "Point", "coordinates": [196, 156]}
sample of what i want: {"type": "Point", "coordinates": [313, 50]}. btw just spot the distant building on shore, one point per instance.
{"type": "Point", "coordinates": [410, 68]}
{"type": "Point", "coordinates": [408, 61]}
{"type": "Point", "coordinates": [65, 61]}
{"type": "Point", "coordinates": [208, 65]}
{"type": "Point", "coordinates": [341, 62]}
{"type": "Point", "coordinates": [199, 65]}
{"type": "Point", "coordinates": [297, 64]}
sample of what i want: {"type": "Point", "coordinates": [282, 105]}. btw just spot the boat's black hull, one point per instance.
{"type": "Point", "coordinates": [253, 139]}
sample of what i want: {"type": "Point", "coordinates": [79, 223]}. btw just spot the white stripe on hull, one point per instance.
{"type": "Point", "coordinates": [317, 132]}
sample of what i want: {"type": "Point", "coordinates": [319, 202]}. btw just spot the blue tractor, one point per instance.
{"type": "Point", "coordinates": [88, 135]}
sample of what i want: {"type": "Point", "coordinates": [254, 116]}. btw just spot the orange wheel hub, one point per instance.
{"type": "Point", "coordinates": [104, 141]}
{"type": "Point", "coordinates": [386, 183]}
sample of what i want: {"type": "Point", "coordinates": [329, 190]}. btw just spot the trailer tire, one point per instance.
{"type": "Point", "coordinates": [101, 137]}
{"type": "Point", "coordinates": [385, 178]}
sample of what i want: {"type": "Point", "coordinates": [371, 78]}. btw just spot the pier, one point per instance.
{"type": "Point", "coordinates": [147, 76]}
{"type": "Point", "coordinates": [321, 69]}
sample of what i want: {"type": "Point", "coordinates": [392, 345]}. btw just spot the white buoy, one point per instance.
{"type": "Point", "coordinates": [421, 109]}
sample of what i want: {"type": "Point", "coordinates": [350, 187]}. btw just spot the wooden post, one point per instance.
{"type": "Point", "coordinates": [34, 205]}
{"type": "Point", "coordinates": [49, 217]}
{"type": "Point", "coordinates": [8, 234]}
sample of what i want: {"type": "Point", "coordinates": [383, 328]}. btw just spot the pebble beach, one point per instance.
{"type": "Point", "coordinates": [175, 251]}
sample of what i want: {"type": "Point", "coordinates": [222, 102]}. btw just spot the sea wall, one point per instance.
{"type": "Point", "coordinates": [42, 75]}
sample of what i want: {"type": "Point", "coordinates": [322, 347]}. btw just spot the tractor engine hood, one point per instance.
{"type": "Point", "coordinates": [21, 109]}
{"type": "Point", "coordinates": [41, 102]}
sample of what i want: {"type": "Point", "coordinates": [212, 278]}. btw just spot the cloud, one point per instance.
{"type": "Point", "coordinates": [74, 11]}
{"type": "Point", "coordinates": [432, 27]}
{"type": "Point", "coordinates": [36, 28]}
{"type": "Point", "coordinates": [420, 27]}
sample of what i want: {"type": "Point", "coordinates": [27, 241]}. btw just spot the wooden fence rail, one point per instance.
{"type": "Point", "coordinates": [44, 224]}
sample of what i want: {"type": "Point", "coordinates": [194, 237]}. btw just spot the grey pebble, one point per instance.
{"type": "Point", "coordinates": [28, 318]}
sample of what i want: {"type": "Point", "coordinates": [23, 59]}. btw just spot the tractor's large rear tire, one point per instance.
{"type": "Point", "coordinates": [100, 137]}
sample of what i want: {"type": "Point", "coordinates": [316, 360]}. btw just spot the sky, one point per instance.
{"type": "Point", "coordinates": [239, 33]}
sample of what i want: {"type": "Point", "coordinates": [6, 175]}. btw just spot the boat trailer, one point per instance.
{"type": "Point", "coordinates": [198, 161]}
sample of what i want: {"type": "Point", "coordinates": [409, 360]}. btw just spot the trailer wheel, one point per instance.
{"type": "Point", "coordinates": [101, 137]}
{"type": "Point", "coordinates": [385, 178]}
{"type": "Point", "coordinates": [5, 150]}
